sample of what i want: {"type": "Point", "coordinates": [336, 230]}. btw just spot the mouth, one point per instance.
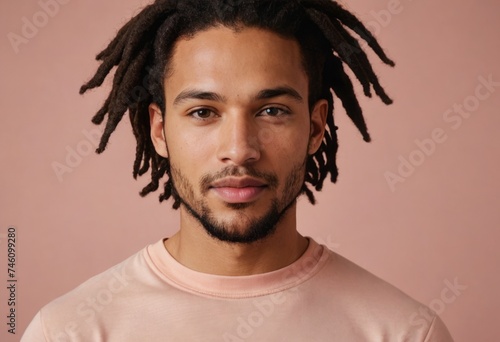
{"type": "Point", "coordinates": [238, 190]}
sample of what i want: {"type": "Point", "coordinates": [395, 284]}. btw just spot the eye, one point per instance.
{"type": "Point", "coordinates": [275, 111]}
{"type": "Point", "coordinates": [202, 114]}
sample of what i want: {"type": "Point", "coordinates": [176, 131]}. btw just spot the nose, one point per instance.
{"type": "Point", "coordinates": [238, 140]}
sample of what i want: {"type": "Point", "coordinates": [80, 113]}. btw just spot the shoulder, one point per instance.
{"type": "Point", "coordinates": [78, 310]}
{"type": "Point", "coordinates": [357, 282]}
{"type": "Point", "coordinates": [370, 301]}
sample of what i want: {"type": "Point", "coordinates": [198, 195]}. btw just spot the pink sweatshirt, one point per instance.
{"type": "Point", "coordinates": [320, 297]}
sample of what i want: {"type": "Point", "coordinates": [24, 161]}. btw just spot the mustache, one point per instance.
{"type": "Point", "coordinates": [237, 171]}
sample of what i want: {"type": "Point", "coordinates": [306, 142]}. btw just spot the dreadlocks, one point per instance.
{"type": "Point", "coordinates": [142, 50]}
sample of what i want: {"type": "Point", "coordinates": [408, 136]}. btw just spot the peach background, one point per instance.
{"type": "Point", "coordinates": [440, 224]}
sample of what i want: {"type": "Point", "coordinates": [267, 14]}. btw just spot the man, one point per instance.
{"type": "Point", "coordinates": [232, 101]}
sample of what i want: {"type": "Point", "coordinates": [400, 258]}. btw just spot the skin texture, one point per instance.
{"type": "Point", "coordinates": [220, 125]}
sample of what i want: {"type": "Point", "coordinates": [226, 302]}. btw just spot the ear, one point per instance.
{"type": "Point", "coordinates": [157, 130]}
{"type": "Point", "coordinates": [318, 125]}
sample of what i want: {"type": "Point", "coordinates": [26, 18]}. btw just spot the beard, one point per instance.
{"type": "Point", "coordinates": [256, 228]}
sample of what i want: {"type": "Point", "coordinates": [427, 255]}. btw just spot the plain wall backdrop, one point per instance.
{"type": "Point", "coordinates": [420, 215]}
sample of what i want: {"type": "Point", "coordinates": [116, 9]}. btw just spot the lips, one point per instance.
{"type": "Point", "coordinates": [237, 183]}
{"type": "Point", "coordinates": [238, 190]}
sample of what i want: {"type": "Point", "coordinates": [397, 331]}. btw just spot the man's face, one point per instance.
{"type": "Point", "coordinates": [237, 129]}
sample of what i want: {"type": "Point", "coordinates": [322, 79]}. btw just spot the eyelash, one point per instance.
{"type": "Point", "coordinates": [283, 111]}
{"type": "Point", "coordinates": [192, 114]}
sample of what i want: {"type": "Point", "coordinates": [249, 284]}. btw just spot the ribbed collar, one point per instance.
{"type": "Point", "coordinates": [255, 285]}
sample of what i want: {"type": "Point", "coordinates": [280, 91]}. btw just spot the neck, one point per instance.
{"type": "Point", "coordinates": [194, 248]}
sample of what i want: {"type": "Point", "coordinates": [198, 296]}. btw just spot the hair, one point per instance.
{"type": "Point", "coordinates": [143, 48]}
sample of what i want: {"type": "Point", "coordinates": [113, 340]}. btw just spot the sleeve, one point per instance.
{"type": "Point", "coordinates": [34, 331]}
{"type": "Point", "coordinates": [438, 332]}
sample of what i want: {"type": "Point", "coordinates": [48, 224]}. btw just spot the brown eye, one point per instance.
{"type": "Point", "coordinates": [201, 114]}
{"type": "Point", "coordinates": [275, 111]}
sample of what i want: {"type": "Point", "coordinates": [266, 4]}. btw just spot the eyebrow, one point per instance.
{"type": "Point", "coordinates": [211, 96]}
{"type": "Point", "coordinates": [279, 91]}
{"type": "Point", "coordinates": [199, 95]}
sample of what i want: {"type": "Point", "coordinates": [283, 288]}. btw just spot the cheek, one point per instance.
{"type": "Point", "coordinates": [190, 154]}
{"type": "Point", "coordinates": [287, 150]}
{"type": "Point", "coordinates": [186, 145]}
{"type": "Point", "coordinates": [292, 140]}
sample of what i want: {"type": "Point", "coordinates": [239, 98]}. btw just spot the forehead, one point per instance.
{"type": "Point", "coordinates": [236, 60]}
